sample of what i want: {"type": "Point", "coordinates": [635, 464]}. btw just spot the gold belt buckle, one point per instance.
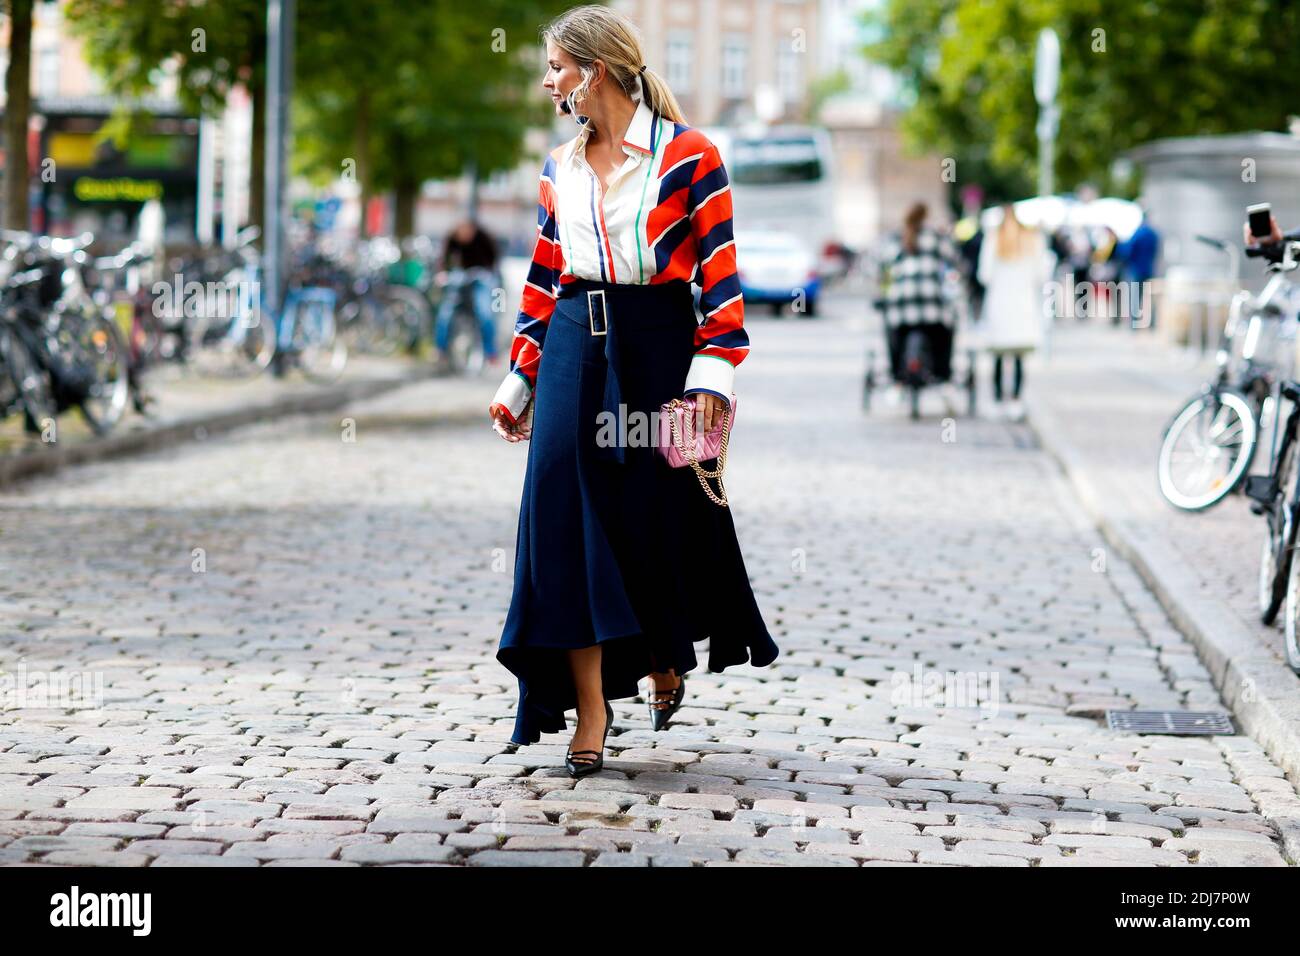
{"type": "Point", "coordinates": [591, 312]}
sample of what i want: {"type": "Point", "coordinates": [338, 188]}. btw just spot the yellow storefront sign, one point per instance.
{"type": "Point", "coordinates": [120, 189]}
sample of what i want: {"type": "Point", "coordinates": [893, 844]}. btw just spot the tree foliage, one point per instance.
{"type": "Point", "coordinates": [411, 92]}
{"type": "Point", "coordinates": [1131, 71]}
{"type": "Point", "coordinates": [407, 91]}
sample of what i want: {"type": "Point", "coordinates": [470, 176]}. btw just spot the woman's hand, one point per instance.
{"type": "Point", "coordinates": [521, 430]}
{"type": "Point", "coordinates": [708, 410]}
{"type": "Point", "coordinates": [1274, 233]}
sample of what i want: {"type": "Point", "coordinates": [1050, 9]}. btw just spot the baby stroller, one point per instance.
{"type": "Point", "coordinates": [920, 354]}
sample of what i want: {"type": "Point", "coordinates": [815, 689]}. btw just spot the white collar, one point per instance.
{"type": "Point", "coordinates": [637, 139]}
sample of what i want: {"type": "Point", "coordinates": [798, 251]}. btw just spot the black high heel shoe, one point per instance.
{"type": "Point", "coordinates": [659, 715]}
{"type": "Point", "coordinates": [585, 767]}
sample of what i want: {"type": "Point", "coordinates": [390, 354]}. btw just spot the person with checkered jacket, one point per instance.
{"type": "Point", "coordinates": [912, 267]}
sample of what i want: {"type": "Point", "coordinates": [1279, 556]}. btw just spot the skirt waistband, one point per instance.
{"type": "Point", "coordinates": [654, 305]}
{"type": "Point", "coordinates": [616, 291]}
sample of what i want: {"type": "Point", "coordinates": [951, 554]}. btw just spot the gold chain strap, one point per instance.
{"type": "Point", "coordinates": [703, 474]}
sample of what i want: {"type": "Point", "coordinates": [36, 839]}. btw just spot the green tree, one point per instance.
{"type": "Point", "coordinates": [1130, 72]}
{"type": "Point", "coordinates": [214, 47]}
{"type": "Point", "coordinates": [452, 90]}
{"type": "Point", "coordinates": [405, 91]}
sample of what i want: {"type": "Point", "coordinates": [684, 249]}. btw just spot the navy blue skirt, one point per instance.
{"type": "Point", "coordinates": [614, 547]}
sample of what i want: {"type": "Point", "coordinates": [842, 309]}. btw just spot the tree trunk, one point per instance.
{"type": "Point", "coordinates": [471, 206]}
{"type": "Point", "coordinates": [406, 194]}
{"type": "Point", "coordinates": [362, 148]}
{"type": "Point", "coordinates": [257, 162]}
{"type": "Point", "coordinates": [18, 107]}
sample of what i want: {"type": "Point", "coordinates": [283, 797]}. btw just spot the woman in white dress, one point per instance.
{"type": "Point", "coordinates": [1014, 266]}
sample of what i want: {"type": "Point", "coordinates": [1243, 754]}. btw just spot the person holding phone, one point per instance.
{"type": "Point", "coordinates": [1260, 227]}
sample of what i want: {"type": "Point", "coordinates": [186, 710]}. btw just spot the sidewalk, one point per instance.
{"type": "Point", "coordinates": [1099, 404]}
{"type": "Point", "coordinates": [189, 407]}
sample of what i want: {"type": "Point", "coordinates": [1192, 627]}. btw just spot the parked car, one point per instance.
{"type": "Point", "coordinates": [778, 269]}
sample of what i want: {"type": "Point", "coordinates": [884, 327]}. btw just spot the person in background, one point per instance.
{"type": "Point", "coordinates": [471, 250]}
{"type": "Point", "coordinates": [912, 266]}
{"type": "Point", "coordinates": [969, 235]}
{"type": "Point", "coordinates": [1137, 256]}
{"type": "Point", "coordinates": [1014, 265]}
{"type": "Point", "coordinates": [1103, 271]}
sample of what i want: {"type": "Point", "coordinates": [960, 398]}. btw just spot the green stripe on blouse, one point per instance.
{"type": "Point", "coordinates": [641, 208]}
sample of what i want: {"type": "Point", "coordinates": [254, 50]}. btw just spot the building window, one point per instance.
{"type": "Point", "coordinates": [681, 62]}
{"type": "Point", "coordinates": [735, 67]}
{"type": "Point", "coordinates": [789, 73]}
{"type": "Point", "coordinates": [47, 70]}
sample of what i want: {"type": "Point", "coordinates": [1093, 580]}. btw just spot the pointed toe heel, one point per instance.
{"type": "Point", "coordinates": [660, 716]}
{"type": "Point", "coordinates": [584, 768]}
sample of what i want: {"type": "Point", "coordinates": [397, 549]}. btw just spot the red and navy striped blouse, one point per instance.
{"type": "Point", "coordinates": [666, 215]}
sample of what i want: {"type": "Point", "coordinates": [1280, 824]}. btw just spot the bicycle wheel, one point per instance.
{"type": "Point", "coordinates": [100, 348]}
{"type": "Point", "coordinates": [359, 325]}
{"type": "Point", "coordinates": [35, 398]}
{"type": "Point", "coordinates": [465, 345]}
{"type": "Point", "coordinates": [409, 315]}
{"type": "Point", "coordinates": [232, 348]}
{"type": "Point", "coordinates": [1275, 563]}
{"type": "Point", "coordinates": [322, 355]}
{"type": "Point", "coordinates": [1279, 542]}
{"type": "Point", "coordinates": [1207, 449]}
{"type": "Point", "coordinates": [1291, 621]}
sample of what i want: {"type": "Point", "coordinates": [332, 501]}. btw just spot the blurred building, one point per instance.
{"type": "Point", "coordinates": [729, 60]}
{"type": "Point", "coordinates": [80, 182]}
{"type": "Point", "coordinates": [1202, 185]}
{"type": "Point", "coordinates": [732, 62]}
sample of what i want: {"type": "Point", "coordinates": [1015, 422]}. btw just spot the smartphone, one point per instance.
{"type": "Point", "coordinates": [1260, 216]}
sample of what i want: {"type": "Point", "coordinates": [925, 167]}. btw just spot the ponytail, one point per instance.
{"type": "Point", "coordinates": [659, 97]}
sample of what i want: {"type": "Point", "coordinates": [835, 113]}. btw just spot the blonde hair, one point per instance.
{"type": "Point", "coordinates": [1014, 239]}
{"type": "Point", "coordinates": [591, 33]}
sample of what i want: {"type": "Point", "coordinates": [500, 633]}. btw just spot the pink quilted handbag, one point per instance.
{"type": "Point", "coordinates": [679, 445]}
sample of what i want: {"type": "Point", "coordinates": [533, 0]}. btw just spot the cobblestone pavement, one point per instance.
{"type": "Point", "coordinates": [295, 635]}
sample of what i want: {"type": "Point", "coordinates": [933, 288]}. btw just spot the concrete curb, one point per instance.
{"type": "Point", "coordinates": [1259, 689]}
{"type": "Point", "coordinates": [46, 460]}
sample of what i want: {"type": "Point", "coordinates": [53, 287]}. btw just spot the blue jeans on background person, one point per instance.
{"type": "Point", "coordinates": [480, 291]}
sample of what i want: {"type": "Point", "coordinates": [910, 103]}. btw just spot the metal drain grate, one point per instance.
{"type": "Point", "coordinates": [1176, 722]}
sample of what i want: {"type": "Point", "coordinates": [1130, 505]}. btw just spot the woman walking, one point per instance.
{"type": "Point", "coordinates": [622, 562]}
{"type": "Point", "coordinates": [912, 268]}
{"type": "Point", "coordinates": [1013, 267]}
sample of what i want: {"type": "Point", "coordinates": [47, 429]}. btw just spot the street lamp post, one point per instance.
{"type": "Point", "coordinates": [279, 87]}
{"type": "Point", "coordinates": [1047, 74]}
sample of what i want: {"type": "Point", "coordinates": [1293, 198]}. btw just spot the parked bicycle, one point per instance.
{"type": "Point", "coordinates": [1276, 495]}
{"type": "Point", "coordinates": [60, 350]}
{"type": "Point", "coordinates": [1209, 445]}
{"type": "Point", "coordinates": [116, 285]}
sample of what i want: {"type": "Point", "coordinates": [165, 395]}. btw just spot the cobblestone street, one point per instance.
{"type": "Point", "coordinates": [295, 627]}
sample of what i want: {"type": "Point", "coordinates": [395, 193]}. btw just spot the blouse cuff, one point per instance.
{"type": "Point", "coordinates": [712, 374]}
{"type": "Point", "coordinates": [513, 395]}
